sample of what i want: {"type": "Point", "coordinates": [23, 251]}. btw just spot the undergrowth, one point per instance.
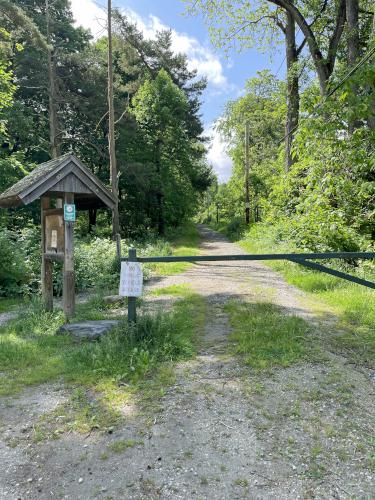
{"type": "Point", "coordinates": [96, 265]}
{"type": "Point", "coordinates": [32, 353]}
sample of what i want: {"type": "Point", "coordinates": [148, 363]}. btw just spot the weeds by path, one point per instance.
{"type": "Point", "coordinates": [32, 353]}
{"type": "Point", "coordinates": [353, 304]}
{"type": "Point", "coordinates": [265, 336]}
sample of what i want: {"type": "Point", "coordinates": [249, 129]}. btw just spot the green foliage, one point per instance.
{"type": "Point", "coordinates": [81, 77]}
{"type": "Point", "coordinates": [265, 335]}
{"type": "Point", "coordinates": [177, 174]}
{"type": "Point", "coordinates": [14, 272]}
{"type": "Point", "coordinates": [31, 352]}
{"type": "Point", "coordinates": [325, 201]}
{"type": "Point", "coordinates": [352, 303]}
{"type": "Point", "coordinates": [96, 264]}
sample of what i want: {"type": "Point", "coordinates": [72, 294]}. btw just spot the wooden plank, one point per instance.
{"type": "Point", "coordinates": [53, 211]}
{"type": "Point", "coordinates": [47, 265]}
{"type": "Point", "coordinates": [68, 274]}
{"type": "Point", "coordinates": [42, 179]}
{"type": "Point", "coordinates": [46, 184]}
{"type": "Point", "coordinates": [71, 183]}
{"type": "Point", "coordinates": [54, 257]}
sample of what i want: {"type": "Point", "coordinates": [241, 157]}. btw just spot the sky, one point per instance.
{"type": "Point", "coordinates": [226, 73]}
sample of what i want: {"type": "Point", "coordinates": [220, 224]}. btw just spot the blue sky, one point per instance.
{"type": "Point", "coordinates": [226, 76]}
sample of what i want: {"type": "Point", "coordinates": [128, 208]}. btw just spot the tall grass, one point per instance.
{"type": "Point", "coordinates": [32, 353]}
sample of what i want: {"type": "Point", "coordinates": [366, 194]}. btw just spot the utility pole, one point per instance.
{"type": "Point", "coordinates": [111, 130]}
{"type": "Point", "coordinates": [247, 196]}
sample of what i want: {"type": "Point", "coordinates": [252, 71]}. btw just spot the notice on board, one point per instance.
{"type": "Point", "coordinates": [131, 279]}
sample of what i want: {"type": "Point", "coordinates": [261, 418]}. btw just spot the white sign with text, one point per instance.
{"type": "Point", "coordinates": [131, 279]}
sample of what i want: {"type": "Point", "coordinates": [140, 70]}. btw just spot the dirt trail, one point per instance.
{"type": "Point", "coordinates": [221, 431]}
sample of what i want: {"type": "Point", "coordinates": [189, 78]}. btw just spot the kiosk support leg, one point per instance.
{"type": "Point", "coordinates": [47, 265]}
{"type": "Point", "coordinates": [68, 275]}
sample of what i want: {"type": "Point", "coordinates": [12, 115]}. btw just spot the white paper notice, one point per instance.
{"type": "Point", "coordinates": [131, 279]}
{"type": "Point", "coordinates": [53, 238]}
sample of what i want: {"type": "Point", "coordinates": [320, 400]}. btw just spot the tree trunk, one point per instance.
{"type": "Point", "coordinates": [352, 8]}
{"type": "Point", "coordinates": [111, 129]}
{"type": "Point", "coordinates": [292, 89]}
{"type": "Point", "coordinates": [54, 128]}
{"type": "Point", "coordinates": [92, 219]}
{"type": "Point", "coordinates": [323, 66]}
{"type": "Point", "coordinates": [160, 194]}
{"type": "Point", "coordinates": [371, 118]}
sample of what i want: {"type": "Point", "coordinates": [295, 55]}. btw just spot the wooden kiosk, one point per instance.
{"type": "Point", "coordinates": [63, 185]}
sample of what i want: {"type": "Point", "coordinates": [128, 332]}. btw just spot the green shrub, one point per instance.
{"type": "Point", "coordinates": [96, 264]}
{"type": "Point", "coordinates": [235, 228]}
{"type": "Point", "coordinates": [14, 271]}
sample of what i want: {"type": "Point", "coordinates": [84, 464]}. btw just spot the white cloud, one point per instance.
{"type": "Point", "coordinates": [201, 58]}
{"type": "Point", "coordinates": [89, 14]}
{"type": "Point", "coordinates": [217, 155]}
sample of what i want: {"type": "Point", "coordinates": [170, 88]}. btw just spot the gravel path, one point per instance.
{"type": "Point", "coordinates": [7, 316]}
{"type": "Point", "coordinates": [221, 431]}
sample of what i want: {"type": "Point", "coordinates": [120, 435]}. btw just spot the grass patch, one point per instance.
{"type": "Point", "coordinates": [32, 353]}
{"type": "Point", "coordinates": [183, 241]}
{"type": "Point", "coordinates": [265, 336]}
{"type": "Point", "coordinates": [83, 413]}
{"type": "Point", "coordinates": [7, 305]}
{"type": "Point", "coordinates": [353, 304]}
{"type": "Point", "coordinates": [180, 290]}
{"type": "Point", "coordinates": [123, 444]}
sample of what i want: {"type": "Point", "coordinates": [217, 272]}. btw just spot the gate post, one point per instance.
{"type": "Point", "coordinates": [132, 311]}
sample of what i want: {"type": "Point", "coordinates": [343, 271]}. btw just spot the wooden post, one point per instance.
{"type": "Point", "coordinates": [68, 274]}
{"type": "Point", "coordinates": [247, 195]}
{"type": "Point", "coordinates": [132, 310]}
{"type": "Point", "coordinates": [47, 265]}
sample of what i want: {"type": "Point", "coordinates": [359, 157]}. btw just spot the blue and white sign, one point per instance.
{"type": "Point", "coordinates": [69, 212]}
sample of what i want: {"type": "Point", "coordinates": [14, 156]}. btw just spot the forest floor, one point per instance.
{"type": "Point", "coordinates": [223, 428]}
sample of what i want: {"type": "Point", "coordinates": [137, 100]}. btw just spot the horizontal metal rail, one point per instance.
{"type": "Point", "coordinates": [273, 256]}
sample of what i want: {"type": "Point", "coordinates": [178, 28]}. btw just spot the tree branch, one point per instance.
{"type": "Point", "coordinates": [249, 23]}
{"type": "Point", "coordinates": [18, 17]}
{"type": "Point", "coordinates": [321, 68]}
{"type": "Point", "coordinates": [130, 39]}
{"type": "Point", "coordinates": [101, 119]}
{"type": "Point", "coordinates": [300, 48]}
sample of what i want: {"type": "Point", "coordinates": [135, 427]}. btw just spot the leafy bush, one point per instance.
{"type": "Point", "coordinates": [235, 228]}
{"type": "Point", "coordinates": [14, 270]}
{"type": "Point", "coordinates": [96, 264]}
